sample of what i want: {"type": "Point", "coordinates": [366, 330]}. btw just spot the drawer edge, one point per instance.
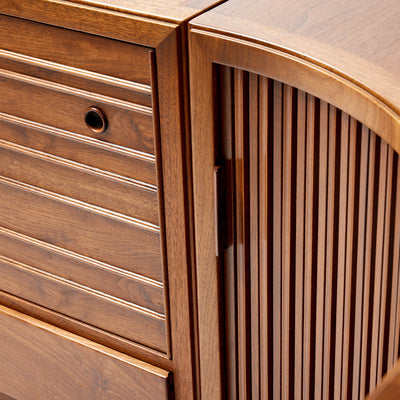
{"type": "Point", "coordinates": [55, 363]}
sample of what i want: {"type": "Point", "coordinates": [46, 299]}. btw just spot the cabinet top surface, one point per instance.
{"type": "Point", "coordinates": [168, 10]}
{"type": "Point", "coordinates": [356, 38]}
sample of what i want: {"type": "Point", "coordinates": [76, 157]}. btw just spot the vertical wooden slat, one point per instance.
{"type": "Point", "coordinates": [315, 229]}
{"type": "Point", "coordinates": [349, 253]}
{"type": "Point", "coordinates": [366, 317]}
{"type": "Point", "coordinates": [227, 145]}
{"type": "Point", "coordinates": [308, 245]}
{"type": "Point", "coordinates": [265, 240]}
{"type": "Point", "coordinates": [330, 251]}
{"type": "Point", "coordinates": [241, 153]}
{"type": "Point", "coordinates": [393, 335]}
{"type": "Point", "coordinates": [277, 234]}
{"type": "Point", "coordinates": [341, 253]}
{"type": "Point", "coordinates": [254, 235]}
{"type": "Point", "coordinates": [300, 198]}
{"type": "Point", "coordinates": [286, 237]}
{"type": "Point", "coordinates": [360, 261]}
{"type": "Point", "coordinates": [378, 264]}
{"type": "Point", "coordinates": [321, 248]}
{"type": "Point", "coordinates": [396, 264]}
{"type": "Point", "coordinates": [385, 261]}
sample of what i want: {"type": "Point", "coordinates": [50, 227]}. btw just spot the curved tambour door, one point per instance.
{"type": "Point", "coordinates": [298, 245]}
{"type": "Point", "coordinates": [311, 270]}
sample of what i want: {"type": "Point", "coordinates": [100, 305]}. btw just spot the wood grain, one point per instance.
{"type": "Point", "coordinates": [102, 22]}
{"type": "Point", "coordinates": [303, 74]}
{"type": "Point", "coordinates": [338, 228]}
{"type": "Point", "coordinates": [226, 85]}
{"type": "Point", "coordinates": [171, 144]}
{"type": "Point", "coordinates": [389, 388]}
{"type": "Point", "coordinates": [81, 229]}
{"type": "Point", "coordinates": [102, 311]}
{"type": "Point", "coordinates": [76, 77]}
{"type": "Point", "coordinates": [87, 331]}
{"type": "Point", "coordinates": [166, 10]}
{"type": "Point", "coordinates": [57, 354]}
{"type": "Point", "coordinates": [64, 108]}
{"type": "Point", "coordinates": [338, 37]}
{"type": "Point", "coordinates": [208, 276]}
{"type": "Point", "coordinates": [330, 196]}
{"type": "Point", "coordinates": [79, 50]}
{"type": "Point", "coordinates": [139, 167]}
{"type": "Point", "coordinates": [78, 182]}
{"type": "Point", "coordinates": [86, 272]}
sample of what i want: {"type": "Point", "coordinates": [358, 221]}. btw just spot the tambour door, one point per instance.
{"type": "Point", "coordinates": [311, 265]}
{"type": "Point", "coordinates": [297, 236]}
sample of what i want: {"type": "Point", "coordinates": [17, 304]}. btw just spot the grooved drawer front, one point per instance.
{"type": "Point", "coordinates": [76, 227]}
{"type": "Point", "coordinates": [80, 211]}
{"type": "Point", "coordinates": [90, 152]}
{"type": "Point", "coordinates": [75, 49]}
{"type": "Point", "coordinates": [87, 185]}
{"type": "Point", "coordinates": [60, 365]}
{"type": "Point", "coordinates": [129, 125]}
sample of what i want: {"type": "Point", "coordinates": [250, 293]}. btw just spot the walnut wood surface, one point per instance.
{"type": "Point", "coordinates": [100, 310]}
{"type": "Point", "coordinates": [75, 77]}
{"type": "Point", "coordinates": [70, 48]}
{"type": "Point", "coordinates": [5, 397]}
{"type": "Point", "coordinates": [80, 270]}
{"type": "Point", "coordinates": [87, 331]}
{"type": "Point", "coordinates": [102, 156]}
{"type": "Point", "coordinates": [124, 76]}
{"type": "Point", "coordinates": [172, 144]}
{"type": "Point", "coordinates": [80, 183]}
{"type": "Point", "coordinates": [389, 388]}
{"type": "Point", "coordinates": [329, 354]}
{"type": "Point", "coordinates": [76, 227]}
{"type": "Point", "coordinates": [356, 41]}
{"type": "Point", "coordinates": [174, 11]}
{"type": "Point", "coordinates": [57, 364]}
{"type": "Point", "coordinates": [309, 101]}
{"type": "Point", "coordinates": [99, 21]}
{"type": "Point", "coordinates": [62, 107]}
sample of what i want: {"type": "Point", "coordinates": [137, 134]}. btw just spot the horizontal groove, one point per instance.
{"type": "Point", "coordinates": [140, 155]}
{"type": "Point", "coordinates": [75, 92]}
{"type": "Point", "coordinates": [77, 203]}
{"type": "Point", "coordinates": [51, 247]}
{"type": "Point", "coordinates": [138, 87]}
{"type": "Point", "coordinates": [87, 330]}
{"type": "Point", "coordinates": [73, 164]}
{"type": "Point", "coordinates": [80, 287]}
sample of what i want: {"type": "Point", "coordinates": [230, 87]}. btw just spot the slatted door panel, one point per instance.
{"type": "Point", "coordinates": [312, 258]}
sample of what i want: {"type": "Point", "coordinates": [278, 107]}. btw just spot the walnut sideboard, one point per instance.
{"type": "Point", "coordinates": [233, 238]}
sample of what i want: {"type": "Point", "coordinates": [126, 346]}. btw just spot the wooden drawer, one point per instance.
{"type": "Point", "coordinates": [60, 365]}
{"type": "Point", "coordinates": [75, 49]}
{"type": "Point", "coordinates": [79, 210]}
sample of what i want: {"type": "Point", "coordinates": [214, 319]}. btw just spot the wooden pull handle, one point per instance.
{"type": "Point", "coordinates": [218, 194]}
